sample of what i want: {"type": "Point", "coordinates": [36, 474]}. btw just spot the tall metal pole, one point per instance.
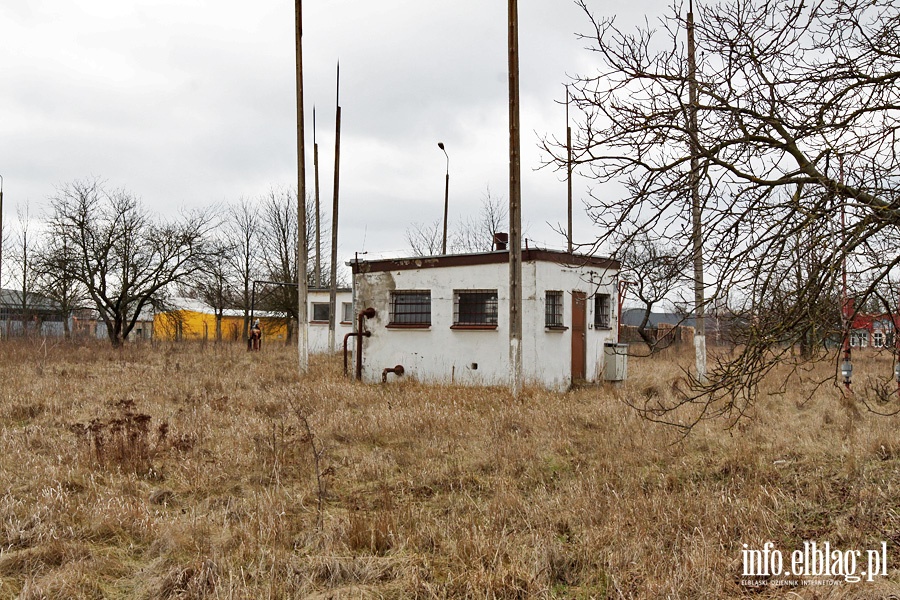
{"type": "Point", "coordinates": [318, 272]}
{"type": "Point", "coordinates": [446, 197]}
{"type": "Point", "coordinates": [569, 170]}
{"type": "Point", "coordinates": [515, 204]}
{"type": "Point", "coordinates": [332, 296]}
{"type": "Point", "coordinates": [302, 316]}
{"type": "Point", "coordinates": [696, 207]}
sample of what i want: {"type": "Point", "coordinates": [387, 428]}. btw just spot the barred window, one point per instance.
{"type": "Point", "coordinates": [475, 307]}
{"type": "Point", "coordinates": [320, 311]}
{"type": "Point", "coordinates": [346, 312]}
{"type": "Point", "coordinates": [553, 309]}
{"type": "Point", "coordinates": [410, 308]}
{"type": "Point", "coordinates": [602, 311]}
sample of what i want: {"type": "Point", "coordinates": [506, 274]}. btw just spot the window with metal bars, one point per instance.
{"type": "Point", "coordinates": [602, 311]}
{"type": "Point", "coordinates": [553, 309]}
{"type": "Point", "coordinates": [477, 308]}
{"type": "Point", "coordinates": [410, 308]}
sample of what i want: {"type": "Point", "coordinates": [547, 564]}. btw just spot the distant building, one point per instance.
{"type": "Point", "coordinates": [191, 319]}
{"type": "Point", "coordinates": [445, 318]}
{"type": "Point", "coordinates": [319, 299]}
{"type": "Point", "coordinates": [37, 316]}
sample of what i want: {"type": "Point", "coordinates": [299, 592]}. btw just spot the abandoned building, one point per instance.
{"type": "Point", "coordinates": [444, 318]}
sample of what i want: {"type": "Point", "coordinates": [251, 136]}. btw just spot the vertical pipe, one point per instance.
{"type": "Point", "coordinates": [302, 316]}
{"type": "Point", "coordinates": [318, 272]}
{"type": "Point", "coordinates": [515, 200]}
{"type": "Point", "coordinates": [360, 325]}
{"type": "Point", "coordinates": [696, 208]}
{"type": "Point", "coordinates": [332, 296]}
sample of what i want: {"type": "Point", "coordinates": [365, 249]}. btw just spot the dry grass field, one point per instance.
{"type": "Point", "coordinates": [189, 471]}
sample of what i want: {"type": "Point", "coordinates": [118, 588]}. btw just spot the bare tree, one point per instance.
{"type": "Point", "coordinates": [425, 239]}
{"type": "Point", "coordinates": [125, 257]}
{"type": "Point", "coordinates": [55, 264]}
{"type": "Point", "coordinates": [278, 242]}
{"type": "Point", "coordinates": [476, 233]}
{"type": "Point", "coordinates": [242, 230]}
{"type": "Point", "coordinates": [23, 256]}
{"type": "Point", "coordinates": [791, 95]}
{"type": "Point", "coordinates": [654, 271]}
{"type": "Point", "coordinates": [214, 278]}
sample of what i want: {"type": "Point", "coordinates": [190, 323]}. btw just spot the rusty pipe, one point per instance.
{"type": "Point", "coordinates": [346, 337]}
{"type": "Point", "coordinates": [398, 371]}
{"type": "Point", "coordinates": [360, 333]}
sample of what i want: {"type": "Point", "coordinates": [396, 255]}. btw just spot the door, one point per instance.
{"type": "Point", "coordinates": [579, 344]}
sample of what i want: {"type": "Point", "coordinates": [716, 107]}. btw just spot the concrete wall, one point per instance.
{"type": "Point", "coordinates": [441, 354]}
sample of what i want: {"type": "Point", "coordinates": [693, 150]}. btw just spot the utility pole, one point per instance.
{"type": "Point", "coordinates": [515, 207]}
{"type": "Point", "coordinates": [569, 169]}
{"type": "Point", "coordinates": [302, 316]}
{"type": "Point", "coordinates": [696, 207]}
{"type": "Point", "coordinates": [332, 296]}
{"type": "Point", "coordinates": [318, 272]}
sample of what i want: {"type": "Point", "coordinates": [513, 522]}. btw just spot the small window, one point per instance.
{"type": "Point", "coordinates": [410, 308]}
{"type": "Point", "coordinates": [878, 339]}
{"type": "Point", "coordinates": [475, 308]}
{"type": "Point", "coordinates": [553, 309]}
{"type": "Point", "coordinates": [320, 311]}
{"type": "Point", "coordinates": [859, 339]}
{"type": "Point", "coordinates": [346, 312]}
{"type": "Point", "coordinates": [602, 311]}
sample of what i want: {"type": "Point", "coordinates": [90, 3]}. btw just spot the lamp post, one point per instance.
{"type": "Point", "coordinates": [446, 196]}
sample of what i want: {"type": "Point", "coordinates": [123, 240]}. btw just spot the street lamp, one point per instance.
{"type": "Point", "coordinates": [446, 196]}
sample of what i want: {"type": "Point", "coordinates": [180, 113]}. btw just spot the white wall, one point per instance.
{"type": "Point", "coordinates": [318, 331]}
{"type": "Point", "coordinates": [439, 353]}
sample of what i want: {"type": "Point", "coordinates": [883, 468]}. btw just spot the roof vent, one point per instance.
{"type": "Point", "coordinates": [501, 240]}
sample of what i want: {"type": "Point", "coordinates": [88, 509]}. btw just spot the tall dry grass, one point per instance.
{"type": "Point", "coordinates": [188, 471]}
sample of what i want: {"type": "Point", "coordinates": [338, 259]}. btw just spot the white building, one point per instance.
{"type": "Point", "coordinates": [318, 299]}
{"type": "Point", "coordinates": [445, 318]}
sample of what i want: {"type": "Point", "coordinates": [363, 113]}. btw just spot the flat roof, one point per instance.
{"type": "Point", "coordinates": [481, 258]}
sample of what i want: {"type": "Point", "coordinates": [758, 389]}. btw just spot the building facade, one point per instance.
{"type": "Point", "coordinates": [445, 318]}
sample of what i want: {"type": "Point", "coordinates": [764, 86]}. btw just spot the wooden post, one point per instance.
{"type": "Point", "coordinates": [302, 316]}
{"type": "Point", "coordinates": [569, 171]}
{"type": "Point", "coordinates": [515, 212]}
{"type": "Point", "coordinates": [318, 271]}
{"type": "Point", "coordinates": [696, 207]}
{"type": "Point", "coordinates": [332, 296]}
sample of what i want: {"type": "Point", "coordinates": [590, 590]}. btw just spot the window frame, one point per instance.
{"type": "Point", "coordinates": [410, 319]}
{"type": "Point", "coordinates": [346, 315]}
{"type": "Point", "coordinates": [485, 317]}
{"type": "Point", "coordinates": [554, 310]}
{"type": "Point", "coordinates": [312, 311]}
{"type": "Point", "coordinates": [599, 313]}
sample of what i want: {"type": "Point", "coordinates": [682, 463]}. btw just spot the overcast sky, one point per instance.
{"type": "Point", "coordinates": [191, 103]}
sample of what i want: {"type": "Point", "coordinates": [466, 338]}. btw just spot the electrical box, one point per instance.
{"type": "Point", "coordinates": [615, 361]}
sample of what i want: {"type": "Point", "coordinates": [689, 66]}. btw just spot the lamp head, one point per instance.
{"type": "Point", "coordinates": [441, 145]}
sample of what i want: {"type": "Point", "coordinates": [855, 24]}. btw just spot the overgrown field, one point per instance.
{"type": "Point", "coordinates": [189, 471]}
